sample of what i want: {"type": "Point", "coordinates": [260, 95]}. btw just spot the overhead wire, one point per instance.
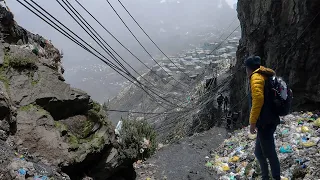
{"type": "Point", "coordinates": [142, 44]}
{"type": "Point", "coordinates": [85, 9]}
{"type": "Point", "coordinates": [105, 60]}
{"type": "Point", "coordinates": [93, 31]}
{"type": "Point", "coordinates": [91, 34]}
{"type": "Point", "coordinates": [151, 39]}
{"type": "Point", "coordinates": [224, 40]}
{"type": "Point", "coordinates": [109, 63]}
{"type": "Point", "coordinates": [218, 85]}
{"type": "Point", "coordinates": [277, 64]}
{"type": "Point", "coordinates": [107, 51]}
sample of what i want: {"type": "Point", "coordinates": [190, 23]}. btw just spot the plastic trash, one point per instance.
{"type": "Point", "coordinates": [252, 136]}
{"type": "Point", "coordinates": [285, 132]}
{"type": "Point", "coordinates": [118, 128]}
{"type": "Point", "coordinates": [209, 164]}
{"type": "Point", "coordinates": [40, 178]}
{"type": "Point", "coordinates": [22, 172]}
{"type": "Point", "coordinates": [305, 129]}
{"type": "Point", "coordinates": [309, 144]}
{"type": "Point", "coordinates": [234, 159]}
{"type": "Point", "coordinates": [226, 168]}
{"type": "Point", "coordinates": [286, 149]}
{"type": "Point", "coordinates": [304, 139]}
{"type": "Point", "coordinates": [317, 122]}
{"type": "Point", "coordinates": [292, 140]}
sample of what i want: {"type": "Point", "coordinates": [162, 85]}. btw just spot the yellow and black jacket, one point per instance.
{"type": "Point", "coordinates": [262, 112]}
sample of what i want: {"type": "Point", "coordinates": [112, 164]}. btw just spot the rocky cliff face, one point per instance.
{"type": "Point", "coordinates": [285, 33]}
{"type": "Point", "coordinates": [47, 128]}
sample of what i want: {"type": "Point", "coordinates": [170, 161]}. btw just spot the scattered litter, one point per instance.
{"type": "Point", "coordinates": [252, 136]}
{"type": "Point", "coordinates": [22, 172]}
{"type": "Point", "coordinates": [118, 128]}
{"type": "Point", "coordinates": [209, 164]}
{"type": "Point", "coordinates": [297, 142]}
{"type": "Point", "coordinates": [40, 178]}
{"type": "Point", "coordinates": [286, 149]}
{"type": "Point", "coordinates": [304, 129]}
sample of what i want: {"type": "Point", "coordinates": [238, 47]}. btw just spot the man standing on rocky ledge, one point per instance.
{"type": "Point", "coordinates": [263, 120]}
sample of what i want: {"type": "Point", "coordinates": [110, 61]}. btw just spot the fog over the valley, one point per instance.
{"type": "Point", "coordinates": [175, 25]}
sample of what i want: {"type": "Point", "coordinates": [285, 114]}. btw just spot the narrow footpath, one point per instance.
{"type": "Point", "coordinates": [184, 160]}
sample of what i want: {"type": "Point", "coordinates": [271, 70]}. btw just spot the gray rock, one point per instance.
{"type": "Point", "coordinates": [4, 125]}
{"type": "Point", "coordinates": [20, 42]}
{"type": "Point", "coordinates": [3, 135]}
{"type": "Point", "coordinates": [265, 32]}
{"type": "Point", "coordinates": [49, 92]}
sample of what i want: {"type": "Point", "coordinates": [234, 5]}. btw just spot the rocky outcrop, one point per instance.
{"type": "Point", "coordinates": [47, 128]}
{"type": "Point", "coordinates": [286, 35]}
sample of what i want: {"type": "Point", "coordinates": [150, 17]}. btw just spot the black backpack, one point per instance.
{"type": "Point", "coordinates": [281, 95]}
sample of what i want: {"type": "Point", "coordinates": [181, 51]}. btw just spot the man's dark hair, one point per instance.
{"type": "Point", "coordinates": [253, 62]}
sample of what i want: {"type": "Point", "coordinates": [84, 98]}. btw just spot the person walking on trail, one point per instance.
{"type": "Point", "coordinates": [225, 103]}
{"type": "Point", "coordinates": [263, 119]}
{"type": "Point", "coordinates": [220, 100]}
{"type": "Point", "coordinates": [235, 116]}
{"type": "Point", "coordinates": [229, 119]}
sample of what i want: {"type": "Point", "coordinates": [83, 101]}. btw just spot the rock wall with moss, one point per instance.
{"type": "Point", "coordinates": [48, 128]}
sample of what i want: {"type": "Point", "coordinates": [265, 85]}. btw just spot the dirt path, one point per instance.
{"type": "Point", "coordinates": [183, 160]}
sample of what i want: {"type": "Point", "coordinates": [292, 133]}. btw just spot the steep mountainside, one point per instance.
{"type": "Point", "coordinates": [286, 34]}
{"type": "Point", "coordinates": [187, 96]}
{"type": "Point", "coordinates": [47, 128]}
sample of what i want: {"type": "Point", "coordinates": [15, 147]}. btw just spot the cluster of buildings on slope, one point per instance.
{"type": "Point", "coordinates": [193, 62]}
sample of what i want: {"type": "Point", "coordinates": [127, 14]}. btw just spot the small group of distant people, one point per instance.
{"type": "Point", "coordinates": [223, 100]}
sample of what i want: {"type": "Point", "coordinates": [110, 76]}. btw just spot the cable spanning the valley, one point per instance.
{"type": "Point", "coordinates": [142, 44]}
{"type": "Point", "coordinates": [120, 68]}
{"type": "Point", "coordinates": [152, 40]}
{"type": "Point", "coordinates": [211, 89]}
{"type": "Point", "coordinates": [127, 49]}
{"type": "Point", "coordinates": [151, 71]}
{"type": "Point", "coordinates": [203, 104]}
{"type": "Point", "coordinates": [92, 50]}
{"type": "Point", "coordinates": [93, 32]}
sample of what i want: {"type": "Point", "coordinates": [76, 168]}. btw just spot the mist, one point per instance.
{"type": "Point", "coordinates": [175, 25]}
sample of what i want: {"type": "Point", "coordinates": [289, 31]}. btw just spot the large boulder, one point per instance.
{"type": "Point", "coordinates": [45, 89]}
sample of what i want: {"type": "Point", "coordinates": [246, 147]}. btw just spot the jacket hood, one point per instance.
{"type": "Point", "coordinates": [265, 71]}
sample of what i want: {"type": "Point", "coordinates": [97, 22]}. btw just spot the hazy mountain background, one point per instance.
{"type": "Point", "coordinates": [174, 24]}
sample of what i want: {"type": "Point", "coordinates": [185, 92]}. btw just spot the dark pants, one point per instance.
{"type": "Point", "coordinates": [225, 107]}
{"type": "Point", "coordinates": [228, 122]}
{"type": "Point", "coordinates": [265, 149]}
